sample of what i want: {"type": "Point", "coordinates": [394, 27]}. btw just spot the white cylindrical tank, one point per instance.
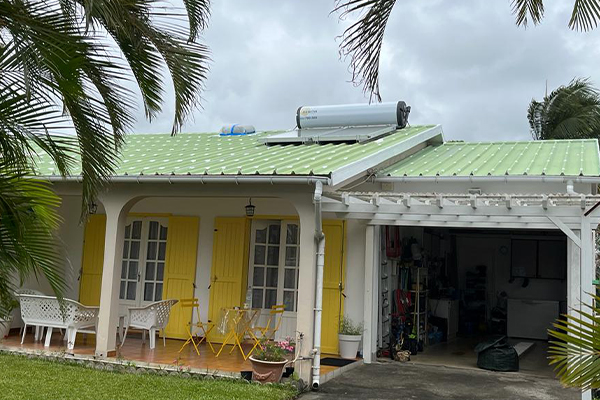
{"type": "Point", "coordinates": [393, 113]}
{"type": "Point", "coordinates": [237, 130]}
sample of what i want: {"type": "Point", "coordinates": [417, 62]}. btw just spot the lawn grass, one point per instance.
{"type": "Point", "coordinates": [24, 378]}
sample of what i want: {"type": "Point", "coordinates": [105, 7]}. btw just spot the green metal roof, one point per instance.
{"type": "Point", "coordinates": [211, 154]}
{"type": "Point", "coordinates": [549, 157]}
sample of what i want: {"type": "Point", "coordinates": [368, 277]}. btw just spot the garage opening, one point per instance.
{"type": "Point", "coordinates": [443, 291]}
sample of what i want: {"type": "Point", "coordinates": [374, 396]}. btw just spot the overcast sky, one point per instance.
{"type": "Point", "coordinates": [464, 65]}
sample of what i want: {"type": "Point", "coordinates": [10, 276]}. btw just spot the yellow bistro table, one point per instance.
{"type": "Point", "coordinates": [236, 323]}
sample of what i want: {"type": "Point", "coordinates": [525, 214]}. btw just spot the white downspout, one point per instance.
{"type": "Point", "coordinates": [320, 239]}
{"type": "Point", "coordinates": [571, 187]}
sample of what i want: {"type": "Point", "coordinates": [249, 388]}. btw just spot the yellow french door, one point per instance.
{"type": "Point", "coordinates": [92, 260]}
{"type": "Point", "coordinates": [180, 271]}
{"type": "Point", "coordinates": [333, 284]}
{"type": "Point", "coordinates": [229, 267]}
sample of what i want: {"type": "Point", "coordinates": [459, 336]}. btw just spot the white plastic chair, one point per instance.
{"type": "Point", "coordinates": [46, 311]}
{"type": "Point", "coordinates": [153, 317]}
{"type": "Point", "coordinates": [39, 331]}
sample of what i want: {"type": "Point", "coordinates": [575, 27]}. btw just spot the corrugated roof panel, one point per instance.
{"type": "Point", "coordinates": [203, 153]}
{"type": "Point", "coordinates": [550, 157]}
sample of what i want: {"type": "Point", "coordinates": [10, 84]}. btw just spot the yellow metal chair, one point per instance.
{"type": "Point", "coordinates": [268, 331]}
{"type": "Point", "coordinates": [205, 327]}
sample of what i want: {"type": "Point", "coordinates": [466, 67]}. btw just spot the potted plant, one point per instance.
{"type": "Point", "coordinates": [269, 359]}
{"type": "Point", "coordinates": [349, 337]}
{"type": "Point", "coordinates": [6, 307]}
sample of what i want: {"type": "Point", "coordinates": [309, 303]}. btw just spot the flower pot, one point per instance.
{"type": "Point", "coordinates": [267, 371]}
{"type": "Point", "coordinates": [4, 327]}
{"type": "Point", "coordinates": [349, 345]}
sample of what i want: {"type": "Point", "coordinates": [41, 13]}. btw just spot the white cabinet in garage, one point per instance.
{"type": "Point", "coordinates": [531, 319]}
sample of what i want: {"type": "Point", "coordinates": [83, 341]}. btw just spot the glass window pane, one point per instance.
{"type": "Point", "coordinates": [137, 230]}
{"type": "Point", "coordinates": [160, 271]}
{"type": "Point", "coordinates": [274, 231]}
{"type": "Point", "coordinates": [158, 292]}
{"type": "Point", "coordinates": [258, 277]}
{"type": "Point", "coordinates": [259, 255]}
{"type": "Point", "coordinates": [163, 232]}
{"type": "Point", "coordinates": [122, 290]}
{"type": "Point", "coordinates": [150, 271]}
{"type": "Point", "coordinates": [288, 300]}
{"type": "Point", "coordinates": [270, 298]}
{"type": "Point", "coordinates": [134, 253]}
{"type": "Point", "coordinates": [126, 249]}
{"type": "Point", "coordinates": [291, 256]}
{"type": "Point", "coordinates": [153, 231]}
{"type": "Point", "coordinates": [261, 236]}
{"type": "Point", "coordinates": [148, 289]}
{"type": "Point", "coordinates": [162, 250]}
{"type": "Point", "coordinates": [131, 288]}
{"type": "Point", "coordinates": [151, 253]}
{"type": "Point", "coordinates": [273, 255]}
{"type": "Point", "coordinates": [257, 298]}
{"type": "Point", "coordinates": [123, 269]}
{"type": "Point", "coordinates": [289, 279]}
{"type": "Point", "coordinates": [133, 270]}
{"type": "Point", "coordinates": [292, 234]}
{"type": "Point", "coordinates": [128, 231]}
{"type": "Point", "coordinates": [272, 277]}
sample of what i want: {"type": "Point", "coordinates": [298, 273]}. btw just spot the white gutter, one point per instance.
{"type": "Point", "coordinates": [203, 179]}
{"type": "Point", "coordinates": [507, 178]}
{"type": "Point", "coordinates": [320, 239]}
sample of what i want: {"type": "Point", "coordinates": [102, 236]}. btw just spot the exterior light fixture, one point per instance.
{"type": "Point", "coordinates": [250, 209]}
{"type": "Point", "coordinates": [92, 208]}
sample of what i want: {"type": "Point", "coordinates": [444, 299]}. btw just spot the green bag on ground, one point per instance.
{"type": "Point", "coordinates": [495, 354]}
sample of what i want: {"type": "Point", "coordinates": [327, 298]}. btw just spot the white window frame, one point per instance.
{"type": "Point", "coordinates": [281, 267]}
{"type": "Point", "coordinates": [143, 259]}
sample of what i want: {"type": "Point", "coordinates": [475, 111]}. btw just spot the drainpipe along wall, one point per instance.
{"type": "Point", "coordinates": [320, 262]}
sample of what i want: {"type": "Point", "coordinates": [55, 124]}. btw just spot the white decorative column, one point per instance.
{"type": "Point", "coordinates": [587, 273]}
{"type": "Point", "coordinates": [117, 208]}
{"type": "Point", "coordinates": [306, 288]}
{"type": "Point", "coordinates": [371, 294]}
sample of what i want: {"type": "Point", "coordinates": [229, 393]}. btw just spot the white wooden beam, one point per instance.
{"type": "Point", "coordinates": [566, 230]}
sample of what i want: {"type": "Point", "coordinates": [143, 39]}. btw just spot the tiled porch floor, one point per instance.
{"type": "Point", "coordinates": [135, 350]}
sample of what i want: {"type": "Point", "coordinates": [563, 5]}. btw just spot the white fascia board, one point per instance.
{"type": "Point", "coordinates": [359, 168]}
{"type": "Point", "coordinates": [503, 179]}
{"type": "Point", "coordinates": [202, 179]}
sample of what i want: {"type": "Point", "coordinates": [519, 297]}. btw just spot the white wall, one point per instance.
{"type": "Point", "coordinates": [485, 250]}
{"type": "Point", "coordinates": [207, 209]}
{"type": "Point", "coordinates": [70, 236]}
{"type": "Point", "coordinates": [355, 270]}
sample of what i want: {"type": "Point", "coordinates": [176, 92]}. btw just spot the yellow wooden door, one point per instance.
{"type": "Point", "coordinates": [333, 283]}
{"type": "Point", "coordinates": [92, 260]}
{"type": "Point", "coordinates": [180, 271]}
{"type": "Point", "coordinates": [229, 274]}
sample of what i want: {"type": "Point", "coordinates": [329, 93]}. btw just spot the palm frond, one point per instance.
{"type": "Point", "coordinates": [575, 353]}
{"type": "Point", "coordinates": [148, 44]}
{"type": "Point", "coordinates": [60, 51]}
{"type": "Point", "coordinates": [28, 222]}
{"type": "Point", "coordinates": [585, 15]}
{"type": "Point", "coordinates": [569, 112]}
{"type": "Point", "coordinates": [526, 10]}
{"type": "Point", "coordinates": [362, 41]}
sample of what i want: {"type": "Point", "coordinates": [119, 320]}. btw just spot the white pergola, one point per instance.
{"type": "Point", "coordinates": [576, 215]}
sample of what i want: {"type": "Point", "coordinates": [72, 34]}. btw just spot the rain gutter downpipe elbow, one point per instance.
{"type": "Point", "coordinates": [318, 310]}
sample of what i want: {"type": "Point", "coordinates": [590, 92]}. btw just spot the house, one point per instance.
{"type": "Point", "coordinates": [483, 218]}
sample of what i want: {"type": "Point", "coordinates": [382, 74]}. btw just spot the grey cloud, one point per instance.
{"type": "Point", "coordinates": [465, 66]}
